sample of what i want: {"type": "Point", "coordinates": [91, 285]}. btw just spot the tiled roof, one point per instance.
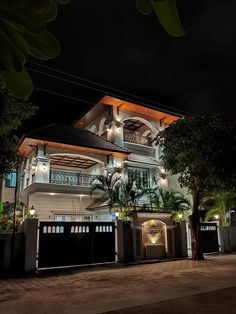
{"type": "Point", "coordinates": [72, 136]}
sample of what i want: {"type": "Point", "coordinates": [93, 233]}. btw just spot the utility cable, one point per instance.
{"type": "Point", "coordinates": [98, 84]}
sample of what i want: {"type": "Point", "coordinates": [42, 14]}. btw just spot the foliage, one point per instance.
{"type": "Point", "coordinates": [130, 193]}
{"type": "Point", "coordinates": [12, 113]}
{"type": "Point", "coordinates": [23, 33]}
{"type": "Point", "coordinates": [201, 150]}
{"type": "Point", "coordinates": [166, 12]}
{"type": "Point", "coordinates": [219, 203]}
{"type": "Point", "coordinates": [108, 184]}
{"type": "Point", "coordinates": [168, 201]}
{"type": "Point", "coordinates": [7, 216]}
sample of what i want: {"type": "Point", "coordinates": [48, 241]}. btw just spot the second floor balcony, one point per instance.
{"type": "Point", "coordinates": [71, 178]}
{"type": "Point", "coordinates": [131, 137]}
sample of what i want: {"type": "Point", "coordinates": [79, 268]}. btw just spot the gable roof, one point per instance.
{"type": "Point", "coordinates": [72, 136]}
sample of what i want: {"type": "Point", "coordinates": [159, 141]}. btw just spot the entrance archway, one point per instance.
{"type": "Point", "coordinates": [154, 239]}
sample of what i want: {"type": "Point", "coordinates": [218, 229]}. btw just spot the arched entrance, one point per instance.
{"type": "Point", "coordinates": [154, 239]}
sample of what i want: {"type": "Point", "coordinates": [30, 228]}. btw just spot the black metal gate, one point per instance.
{"type": "Point", "coordinates": [75, 243]}
{"type": "Point", "coordinates": [209, 237]}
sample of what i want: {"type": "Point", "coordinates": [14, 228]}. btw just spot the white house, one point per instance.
{"type": "Point", "coordinates": [61, 161]}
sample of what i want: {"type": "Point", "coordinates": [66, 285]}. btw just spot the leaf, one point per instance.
{"type": "Point", "coordinates": [19, 83]}
{"type": "Point", "coordinates": [23, 19]}
{"type": "Point", "coordinates": [44, 45]}
{"type": "Point", "coordinates": [50, 13]}
{"type": "Point", "coordinates": [6, 55]}
{"type": "Point", "coordinates": [168, 16]}
{"type": "Point", "coordinates": [15, 37]}
{"type": "Point", "coordinates": [144, 6]}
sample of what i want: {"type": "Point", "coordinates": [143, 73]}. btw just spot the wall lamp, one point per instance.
{"type": "Point", "coordinates": [163, 175]}
{"type": "Point", "coordinates": [32, 211]}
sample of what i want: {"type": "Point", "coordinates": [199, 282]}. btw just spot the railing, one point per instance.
{"type": "Point", "coordinates": [71, 178]}
{"type": "Point", "coordinates": [137, 139]}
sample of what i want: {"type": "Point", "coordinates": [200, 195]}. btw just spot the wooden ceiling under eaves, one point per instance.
{"type": "Point", "coordinates": [72, 161]}
{"type": "Point", "coordinates": [146, 111]}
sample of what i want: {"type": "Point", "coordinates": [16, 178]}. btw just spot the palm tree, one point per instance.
{"type": "Point", "coordinates": [109, 185]}
{"type": "Point", "coordinates": [220, 202]}
{"type": "Point", "coordinates": [168, 201]}
{"type": "Point", "coordinates": [129, 193]}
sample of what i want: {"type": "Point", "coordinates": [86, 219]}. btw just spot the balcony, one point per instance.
{"type": "Point", "coordinates": [131, 137]}
{"type": "Point", "coordinates": [71, 178]}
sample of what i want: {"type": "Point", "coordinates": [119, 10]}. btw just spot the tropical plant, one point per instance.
{"type": "Point", "coordinates": [109, 185]}
{"type": "Point", "coordinates": [166, 12]}
{"type": "Point", "coordinates": [200, 150]}
{"type": "Point", "coordinates": [12, 113]}
{"type": "Point", "coordinates": [130, 193]}
{"type": "Point", "coordinates": [23, 33]}
{"type": "Point", "coordinates": [220, 203]}
{"type": "Point", "coordinates": [169, 200]}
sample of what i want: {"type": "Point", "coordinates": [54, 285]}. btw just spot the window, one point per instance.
{"type": "Point", "coordinates": [141, 175]}
{"type": "Point", "coordinates": [11, 180]}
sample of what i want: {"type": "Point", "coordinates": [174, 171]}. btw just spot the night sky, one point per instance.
{"type": "Point", "coordinates": [111, 43]}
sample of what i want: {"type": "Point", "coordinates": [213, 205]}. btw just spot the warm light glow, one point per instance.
{"type": "Point", "coordinates": [216, 216]}
{"type": "Point", "coordinates": [117, 214]}
{"type": "Point", "coordinates": [32, 211]}
{"type": "Point", "coordinates": [180, 216]}
{"type": "Point", "coordinates": [33, 167]}
{"type": "Point", "coordinates": [153, 237]}
{"type": "Point", "coordinates": [52, 194]}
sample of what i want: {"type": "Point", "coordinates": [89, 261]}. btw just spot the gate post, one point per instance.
{"type": "Point", "coordinates": [119, 241]}
{"type": "Point", "coordinates": [30, 229]}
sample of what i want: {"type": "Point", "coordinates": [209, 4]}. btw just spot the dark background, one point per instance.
{"type": "Point", "coordinates": [111, 43]}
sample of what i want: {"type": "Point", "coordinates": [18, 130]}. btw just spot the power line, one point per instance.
{"type": "Point", "coordinates": [61, 95]}
{"type": "Point", "coordinates": [98, 84]}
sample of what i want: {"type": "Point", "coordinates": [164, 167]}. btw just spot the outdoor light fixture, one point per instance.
{"type": "Point", "coordinates": [32, 211]}
{"type": "Point", "coordinates": [44, 166]}
{"type": "Point", "coordinates": [117, 214]}
{"type": "Point", "coordinates": [180, 216]}
{"type": "Point", "coordinates": [107, 127]}
{"type": "Point", "coordinates": [163, 175]}
{"type": "Point", "coordinates": [216, 216]}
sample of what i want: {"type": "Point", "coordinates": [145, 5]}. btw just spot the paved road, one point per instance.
{"type": "Point", "coordinates": [182, 286]}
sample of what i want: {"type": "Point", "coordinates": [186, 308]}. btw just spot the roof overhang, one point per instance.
{"type": "Point", "coordinates": [149, 111]}
{"type": "Point", "coordinates": [28, 145]}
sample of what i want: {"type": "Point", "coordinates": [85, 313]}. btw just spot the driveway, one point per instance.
{"type": "Point", "coordinates": [181, 286]}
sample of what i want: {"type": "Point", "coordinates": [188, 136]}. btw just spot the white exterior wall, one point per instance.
{"type": "Point", "coordinates": [8, 194]}
{"type": "Point", "coordinates": [174, 185]}
{"type": "Point", "coordinates": [48, 205]}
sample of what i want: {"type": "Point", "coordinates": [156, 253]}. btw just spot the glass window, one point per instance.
{"type": "Point", "coordinates": [140, 175]}
{"type": "Point", "coordinates": [11, 180]}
